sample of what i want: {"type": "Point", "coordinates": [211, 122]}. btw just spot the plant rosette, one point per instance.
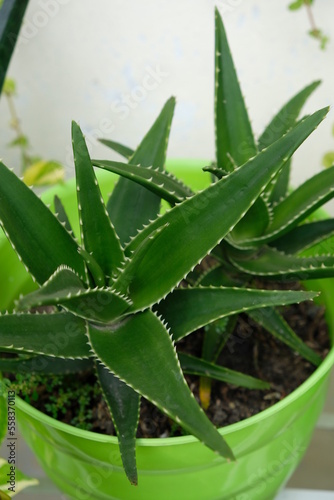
{"type": "Point", "coordinates": [123, 291]}
{"type": "Point", "coordinates": [268, 446]}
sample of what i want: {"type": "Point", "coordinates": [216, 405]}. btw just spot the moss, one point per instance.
{"type": "Point", "coordinates": [62, 397]}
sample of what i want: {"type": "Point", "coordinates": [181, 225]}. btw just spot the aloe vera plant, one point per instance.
{"type": "Point", "coordinates": [123, 293]}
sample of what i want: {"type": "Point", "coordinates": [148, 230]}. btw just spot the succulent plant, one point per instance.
{"type": "Point", "coordinates": [123, 294]}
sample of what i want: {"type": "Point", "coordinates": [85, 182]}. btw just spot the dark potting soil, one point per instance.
{"type": "Point", "coordinates": [250, 350]}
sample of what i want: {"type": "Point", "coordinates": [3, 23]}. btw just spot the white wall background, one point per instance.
{"type": "Point", "coordinates": [78, 59]}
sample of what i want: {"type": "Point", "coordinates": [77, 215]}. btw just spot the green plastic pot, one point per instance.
{"type": "Point", "coordinates": [86, 465]}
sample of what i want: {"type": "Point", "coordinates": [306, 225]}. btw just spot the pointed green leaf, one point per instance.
{"type": "Point", "coordinates": [216, 335]}
{"type": "Point", "coordinates": [253, 223]}
{"type": "Point", "coordinates": [286, 117]}
{"type": "Point", "coordinates": [143, 341]}
{"type": "Point", "coordinates": [123, 403]}
{"type": "Point", "coordinates": [64, 281]}
{"type": "Point", "coordinates": [217, 172]}
{"type": "Point", "coordinates": [272, 321]}
{"type": "Point", "coordinates": [44, 364]}
{"type": "Point", "coordinates": [131, 206]}
{"type": "Point", "coordinates": [163, 184]}
{"type": "Point", "coordinates": [100, 304]}
{"type": "Point", "coordinates": [196, 225]}
{"type": "Point", "coordinates": [301, 202]}
{"type": "Point", "coordinates": [279, 125]}
{"type": "Point", "coordinates": [324, 247]}
{"type": "Point", "coordinates": [187, 309]}
{"type": "Point", "coordinates": [12, 13]}
{"type": "Point", "coordinates": [62, 215]}
{"type": "Point", "coordinates": [152, 149]}
{"type": "Point", "coordinates": [220, 275]}
{"type": "Point", "coordinates": [98, 234]}
{"type": "Point", "coordinates": [280, 186]}
{"type": "Point", "coordinates": [234, 137]}
{"type": "Point", "coordinates": [305, 236]}
{"type": "Point", "coordinates": [96, 274]}
{"type": "Point", "coordinates": [197, 366]}
{"type": "Point", "coordinates": [38, 237]}
{"type": "Point", "coordinates": [119, 148]}
{"type": "Point", "coordinates": [271, 263]}
{"type": "Point", "coordinates": [66, 289]}
{"type": "Point", "coordinates": [60, 334]}
{"type": "Point", "coordinates": [297, 206]}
